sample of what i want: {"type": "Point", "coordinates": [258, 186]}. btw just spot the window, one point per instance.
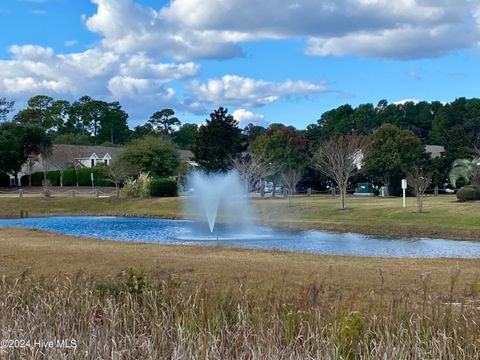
{"type": "Point", "coordinates": [92, 162]}
{"type": "Point", "coordinates": [106, 162]}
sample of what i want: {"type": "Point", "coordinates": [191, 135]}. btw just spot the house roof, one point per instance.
{"type": "Point", "coordinates": [185, 155]}
{"type": "Point", "coordinates": [68, 154]}
{"type": "Point", "coordinates": [435, 151]}
{"type": "Point", "coordinates": [85, 151]}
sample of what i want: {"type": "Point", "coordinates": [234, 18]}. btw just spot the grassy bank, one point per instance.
{"type": "Point", "coordinates": [218, 303]}
{"type": "Point", "coordinates": [443, 217]}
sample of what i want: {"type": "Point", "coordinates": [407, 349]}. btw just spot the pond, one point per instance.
{"type": "Point", "coordinates": [187, 232]}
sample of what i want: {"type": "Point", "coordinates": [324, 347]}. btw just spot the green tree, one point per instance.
{"type": "Point", "coordinates": [185, 136]}
{"type": "Point", "coordinates": [17, 143]}
{"type": "Point", "coordinates": [218, 142]}
{"type": "Point", "coordinates": [164, 120]}
{"type": "Point", "coordinates": [389, 153]}
{"type": "Point", "coordinates": [140, 131]}
{"type": "Point", "coordinates": [252, 131]}
{"type": "Point", "coordinates": [5, 108]}
{"type": "Point", "coordinates": [42, 111]}
{"type": "Point", "coordinates": [154, 155]}
{"type": "Point", "coordinates": [284, 148]}
{"type": "Point", "coordinates": [78, 121]}
{"type": "Point", "coordinates": [113, 125]}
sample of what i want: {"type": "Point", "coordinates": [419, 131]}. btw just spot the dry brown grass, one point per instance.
{"type": "Point", "coordinates": [46, 254]}
{"type": "Point", "coordinates": [195, 302]}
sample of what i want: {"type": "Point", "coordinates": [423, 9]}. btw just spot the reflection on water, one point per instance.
{"type": "Point", "coordinates": [187, 232]}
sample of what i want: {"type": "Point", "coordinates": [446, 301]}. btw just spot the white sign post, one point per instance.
{"type": "Point", "coordinates": [404, 188]}
{"type": "Point", "coordinates": [93, 184]}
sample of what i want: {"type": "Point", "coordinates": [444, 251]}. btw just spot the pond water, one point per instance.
{"type": "Point", "coordinates": [187, 232]}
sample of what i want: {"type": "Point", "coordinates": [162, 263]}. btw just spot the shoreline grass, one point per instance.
{"type": "Point", "coordinates": [444, 217]}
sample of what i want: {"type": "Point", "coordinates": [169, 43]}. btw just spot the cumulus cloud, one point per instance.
{"type": "Point", "coordinates": [152, 31]}
{"type": "Point", "coordinates": [243, 91]}
{"type": "Point", "coordinates": [407, 42]}
{"type": "Point", "coordinates": [245, 117]}
{"type": "Point", "coordinates": [401, 29]}
{"type": "Point", "coordinates": [99, 73]}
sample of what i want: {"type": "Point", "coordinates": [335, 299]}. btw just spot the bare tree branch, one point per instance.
{"type": "Point", "coordinates": [62, 159]}
{"type": "Point", "coordinates": [252, 168]}
{"type": "Point", "coordinates": [340, 158]}
{"type": "Point", "coordinates": [290, 179]}
{"type": "Point", "coordinates": [419, 180]}
{"type": "Point", "coordinates": [119, 171]}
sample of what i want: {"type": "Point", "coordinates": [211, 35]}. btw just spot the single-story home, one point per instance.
{"type": "Point", "coordinates": [64, 156]}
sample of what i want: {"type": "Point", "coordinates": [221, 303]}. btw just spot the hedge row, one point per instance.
{"type": "Point", "coordinates": [162, 187]}
{"type": "Point", "coordinates": [468, 193]}
{"type": "Point", "coordinates": [100, 177]}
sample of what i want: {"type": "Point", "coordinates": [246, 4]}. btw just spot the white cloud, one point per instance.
{"type": "Point", "coordinates": [406, 42]}
{"type": "Point", "coordinates": [31, 52]}
{"type": "Point", "coordinates": [243, 91]}
{"type": "Point", "coordinates": [70, 43]}
{"type": "Point", "coordinates": [98, 73]}
{"type": "Point", "coordinates": [405, 101]}
{"type": "Point", "coordinates": [401, 29]}
{"type": "Point", "coordinates": [245, 117]}
{"type": "Point", "coordinates": [149, 30]}
{"type": "Point", "coordinates": [140, 65]}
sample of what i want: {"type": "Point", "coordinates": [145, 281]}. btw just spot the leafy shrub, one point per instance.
{"type": "Point", "coordinates": [37, 178]}
{"type": "Point", "coordinates": [468, 193]}
{"type": "Point", "coordinates": [69, 177]}
{"type": "Point", "coordinates": [136, 282]}
{"type": "Point", "coordinates": [163, 187]}
{"type": "Point", "coordinates": [100, 176]}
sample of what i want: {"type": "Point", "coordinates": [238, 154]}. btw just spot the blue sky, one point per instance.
{"type": "Point", "coordinates": [280, 61]}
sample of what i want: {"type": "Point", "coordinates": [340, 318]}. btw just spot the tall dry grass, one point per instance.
{"type": "Point", "coordinates": [134, 318]}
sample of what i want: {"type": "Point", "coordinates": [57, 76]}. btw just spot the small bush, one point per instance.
{"type": "Point", "coordinates": [69, 177]}
{"type": "Point", "coordinates": [136, 282]}
{"type": "Point", "coordinates": [100, 176]}
{"type": "Point", "coordinates": [163, 187]}
{"type": "Point", "coordinates": [139, 187]}
{"type": "Point", "coordinates": [468, 193]}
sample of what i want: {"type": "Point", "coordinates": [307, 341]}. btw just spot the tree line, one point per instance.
{"type": "Point", "coordinates": [393, 138]}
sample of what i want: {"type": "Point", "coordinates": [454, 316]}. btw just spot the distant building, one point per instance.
{"type": "Point", "coordinates": [187, 156]}
{"type": "Point", "coordinates": [435, 151]}
{"type": "Point", "coordinates": [64, 156]}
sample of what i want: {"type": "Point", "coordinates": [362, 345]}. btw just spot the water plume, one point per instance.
{"type": "Point", "coordinates": [218, 196]}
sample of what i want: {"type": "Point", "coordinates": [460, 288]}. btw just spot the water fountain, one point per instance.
{"type": "Point", "coordinates": [218, 196]}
